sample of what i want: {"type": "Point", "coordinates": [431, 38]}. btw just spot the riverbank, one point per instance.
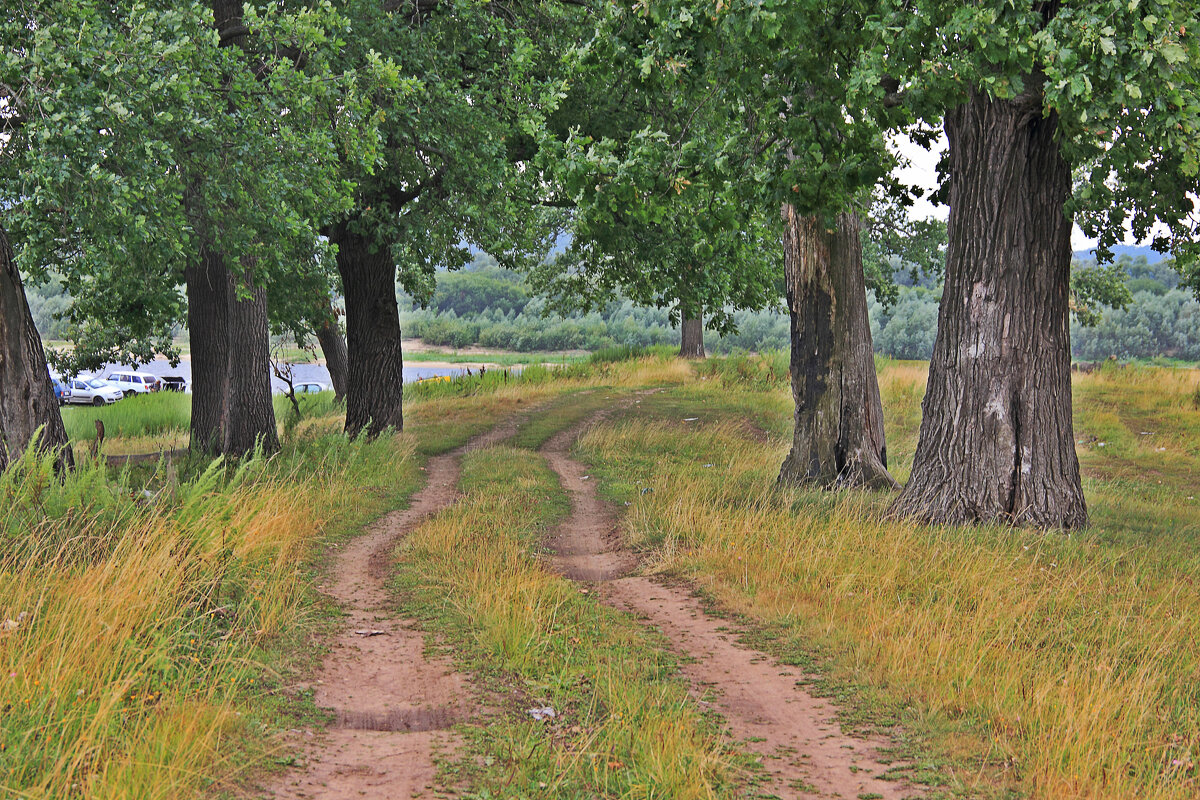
{"type": "Point", "coordinates": [427, 361]}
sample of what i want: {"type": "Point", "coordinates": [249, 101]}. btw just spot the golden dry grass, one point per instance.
{"type": "Point", "coordinates": [1072, 662]}
{"type": "Point", "coordinates": [135, 630]}
{"type": "Point", "coordinates": [137, 641]}
{"type": "Point", "coordinates": [1055, 666]}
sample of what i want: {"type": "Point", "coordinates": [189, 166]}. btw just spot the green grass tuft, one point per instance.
{"type": "Point", "coordinates": [140, 415]}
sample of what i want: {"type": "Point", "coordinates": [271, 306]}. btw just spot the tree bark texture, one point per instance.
{"type": "Point", "coordinates": [232, 412]}
{"type": "Point", "coordinates": [251, 411]}
{"type": "Point", "coordinates": [333, 346]}
{"type": "Point", "coordinates": [27, 401]}
{"type": "Point", "coordinates": [375, 364]}
{"type": "Point", "coordinates": [208, 288]}
{"type": "Point", "coordinates": [838, 439]}
{"type": "Point", "coordinates": [996, 441]}
{"type": "Point", "coordinates": [691, 337]}
{"type": "Point", "coordinates": [227, 19]}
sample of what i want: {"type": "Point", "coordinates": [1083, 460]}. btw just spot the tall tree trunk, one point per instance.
{"type": "Point", "coordinates": [838, 439]}
{"type": "Point", "coordinates": [26, 395]}
{"type": "Point", "coordinates": [227, 20]}
{"type": "Point", "coordinates": [691, 336]}
{"type": "Point", "coordinates": [996, 440]}
{"type": "Point", "coordinates": [208, 289]}
{"type": "Point", "coordinates": [232, 410]}
{"type": "Point", "coordinates": [333, 346]}
{"type": "Point", "coordinates": [375, 374]}
{"type": "Point", "coordinates": [251, 412]}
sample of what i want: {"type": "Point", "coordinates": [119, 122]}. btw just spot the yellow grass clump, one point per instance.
{"type": "Point", "coordinates": [1073, 662]}
{"type": "Point", "coordinates": [135, 630]}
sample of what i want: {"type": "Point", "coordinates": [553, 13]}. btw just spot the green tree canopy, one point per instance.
{"type": "Point", "coordinates": [131, 130]}
{"type": "Point", "coordinates": [1121, 77]}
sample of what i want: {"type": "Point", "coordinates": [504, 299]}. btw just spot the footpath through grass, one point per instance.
{"type": "Point", "coordinates": [151, 618]}
{"type": "Point", "coordinates": [1049, 665]}
{"type": "Point", "coordinates": [144, 638]}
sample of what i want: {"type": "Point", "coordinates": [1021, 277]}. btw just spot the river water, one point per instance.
{"type": "Point", "coordinates": [302, 373]}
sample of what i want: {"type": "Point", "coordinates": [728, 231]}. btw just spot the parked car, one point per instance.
{"type": "Point", "coordinates": [93, 391]}
{"type": "Point", "coordinates": [311, 388]}
{"type": "Point", "coordinates": [131, 383]}
{"type": "Point", "coordinates": [174, 383]}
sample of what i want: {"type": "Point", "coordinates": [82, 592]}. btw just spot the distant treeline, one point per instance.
{"type": "Point", "coordinates": [488, 306]}
{"type": "Point", "coordinates": [1161, 321]}
{"type": "Point", "coordinates": [46, 303]}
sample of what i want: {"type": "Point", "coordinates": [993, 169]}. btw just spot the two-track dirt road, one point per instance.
{"type": "Point", "coordinates": [395, 705]}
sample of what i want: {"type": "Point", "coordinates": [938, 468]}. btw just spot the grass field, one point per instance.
{"type": "Point", "coordinates": [158, 627]}
{"type": "Point", "coordinates": [1046, 664]}
{"type": "Point", "coordinates": [150, 422]}
{"type": "Point", "coordinates": [145, 634]}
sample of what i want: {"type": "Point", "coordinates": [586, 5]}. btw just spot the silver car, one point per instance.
{"type": "Point", "coordinates": [92, 391]}
{"type": "Point", "coordinates": [131, 383]}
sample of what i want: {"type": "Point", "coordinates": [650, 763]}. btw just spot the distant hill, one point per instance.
{"type": "Point", "coordinates": [1131, 250]}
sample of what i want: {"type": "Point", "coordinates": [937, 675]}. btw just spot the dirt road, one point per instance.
{"type": "Point", "coordinates": [802, 748]}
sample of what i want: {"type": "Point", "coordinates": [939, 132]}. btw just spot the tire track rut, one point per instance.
{"type": "Point", "coordinates": [797, 736]}
{"type": "Point", "coordinates": [394, 704]}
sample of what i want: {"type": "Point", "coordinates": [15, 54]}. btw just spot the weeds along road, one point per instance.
{"type": "Point", "coordinates": [397, 707]}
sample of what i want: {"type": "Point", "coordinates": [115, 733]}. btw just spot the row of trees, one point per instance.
{"type": "Point", "coordinates": [231, 166]}
{"type": "Point", "coordinates": [1054, 112]}
{"type": "Point", "coordinates": [492, 307]}
{"type": "Point", "coordinates": [263, 156]}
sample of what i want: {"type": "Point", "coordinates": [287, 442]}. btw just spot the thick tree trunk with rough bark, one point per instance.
{"type": "Point", "coordinates": [232, 412]}
{"type": "Point", "coordinates": [996, 440]}
{"type": "Point", "coordinates": [27, 401]}
{"type": "Point", "coordinates": [208, 288]}
{"type": "Point", "coordinates": [838, 439]}
{"type": "Point", "coordinates": [691, 337]}
{"type": "Point", "coordinates": [251, 412]}
{"type": "Point", "coordinates": [375, 374]}
{"type": "Point", "coordinates": [333, 346]}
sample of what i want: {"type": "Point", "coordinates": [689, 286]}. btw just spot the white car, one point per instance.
{"type": "Point", "coordinates": [311, 387]}
{"type": "Point", "coordinates": [93, 391]}
{"type": "Point", "coordinates": [131, 383]}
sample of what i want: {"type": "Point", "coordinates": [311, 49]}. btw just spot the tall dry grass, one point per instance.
{"type": "Point", "coordinates": [136, 631]}
{"type": "Point", "coordinates": [1073, 664]}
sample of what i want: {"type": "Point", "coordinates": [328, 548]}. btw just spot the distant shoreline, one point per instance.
{"type": "Point", "coordinates": [416, 353]}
